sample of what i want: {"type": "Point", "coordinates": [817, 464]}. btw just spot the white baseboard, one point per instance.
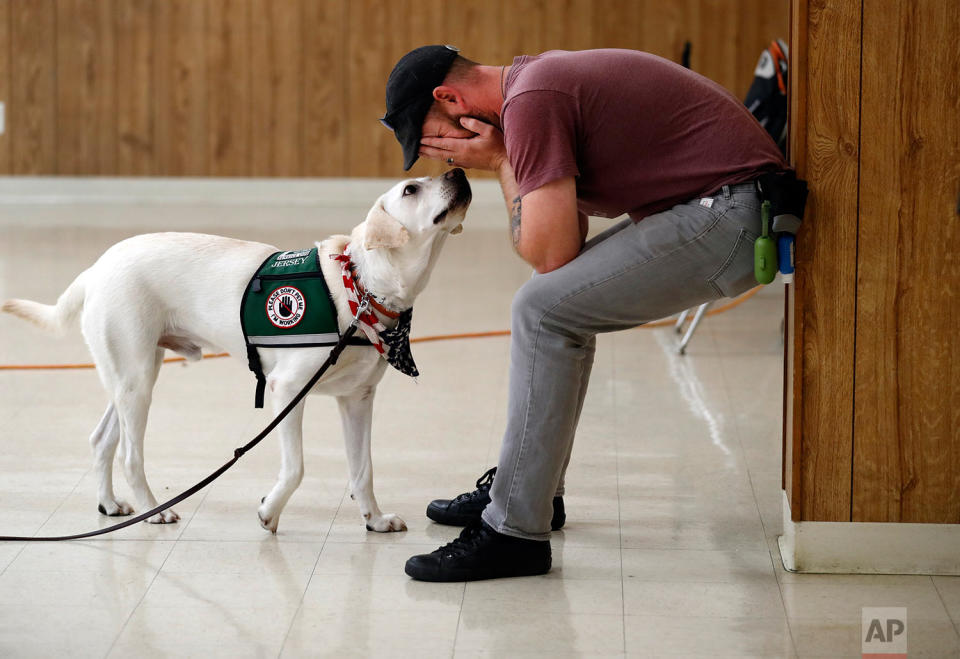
{"type": "Point", "coordinates": [323, 192]}
{"type": "Point", "coordinates": [869, 548]}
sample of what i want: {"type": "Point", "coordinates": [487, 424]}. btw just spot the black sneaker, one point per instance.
{"type": "Point", "coordinates": [466, 507]}
{"type": "Point", "coordinates": [482, 553]}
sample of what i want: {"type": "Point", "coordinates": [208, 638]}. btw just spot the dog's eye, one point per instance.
{"type": "Point", "coordinates": [410, 189]}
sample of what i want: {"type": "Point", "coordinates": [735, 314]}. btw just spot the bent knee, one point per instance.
{"type": "Point", "coordinates": [540, 305]}
{"type": "Point", "coordinates": [534, 299]}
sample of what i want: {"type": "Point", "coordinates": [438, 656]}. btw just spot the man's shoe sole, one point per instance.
{"type": "Point", "coordinates": [427, 574]}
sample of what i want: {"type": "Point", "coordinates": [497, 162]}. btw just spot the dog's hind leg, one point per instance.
{"type": "Point", "coordinates": [104, 440]}
{"type": "Point", "coordinates": [132, 396]}
{"type": "Point", "coordinates": [356, 415]}
{"type": "Point", "coordinates": [291, 453]}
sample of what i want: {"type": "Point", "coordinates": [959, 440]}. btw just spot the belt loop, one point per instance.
{"type": "Point", "coordinates": [726, 191]}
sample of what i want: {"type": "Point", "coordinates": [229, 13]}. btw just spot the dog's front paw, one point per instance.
{"type": "Point", "coordinates": [115, 509]}
{"type": "Point", "coordinates": [270, 523]}
{"type": "Point", "coordinates": [386, 523]}
{"type": "Point", "coordinates": [165, 517]}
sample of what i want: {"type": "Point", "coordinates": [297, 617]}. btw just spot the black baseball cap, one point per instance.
{"type": "Point", "coordinates": [410, 94]}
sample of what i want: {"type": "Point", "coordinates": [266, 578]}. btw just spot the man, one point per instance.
{"type": "Point", "coordinates": [574, 134]}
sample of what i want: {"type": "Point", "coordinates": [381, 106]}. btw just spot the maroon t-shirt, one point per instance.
{"type": "Point", "coordinates": [639, 133]}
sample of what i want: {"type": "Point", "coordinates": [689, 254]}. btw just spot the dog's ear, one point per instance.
{"type": "Point", "coordinates": [457, 230]}
{"type": "Point", "coordinates": [383, 230]}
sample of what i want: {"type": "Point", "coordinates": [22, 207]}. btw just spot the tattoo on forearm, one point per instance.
{"type": "Point", "coordinates": [515, 221]}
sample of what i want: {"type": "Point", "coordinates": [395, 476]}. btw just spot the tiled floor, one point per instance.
{"type": "Point", "coordinates": [673, 495]}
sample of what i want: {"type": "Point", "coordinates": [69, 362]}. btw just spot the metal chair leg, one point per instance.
{"type": "Point", "coordinates": [681, 319]}
{"type": "Point", "coordinates": [702, 309]}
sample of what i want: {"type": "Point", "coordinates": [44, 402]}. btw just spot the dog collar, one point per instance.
{"type": "Point", "coordinates": [347, 262]}
{"type": "Point", "coordinates": [392, 315]}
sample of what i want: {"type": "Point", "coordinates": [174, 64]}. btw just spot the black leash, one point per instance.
{"type": "Point", "coordinates": [237, 453]}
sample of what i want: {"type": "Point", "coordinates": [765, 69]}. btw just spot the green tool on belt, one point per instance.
{"type": "Point", "coordinates": [765, 250]}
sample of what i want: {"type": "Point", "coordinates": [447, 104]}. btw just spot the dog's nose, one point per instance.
{"type": "Point", "coordinates": [458, 182]}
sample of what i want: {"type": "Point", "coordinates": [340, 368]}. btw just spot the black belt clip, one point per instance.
{"type": "Point", "coordinates": [787, 195]}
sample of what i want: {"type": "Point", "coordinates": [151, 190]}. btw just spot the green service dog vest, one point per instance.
{"type": "Point", "coordinates": [287, 304]}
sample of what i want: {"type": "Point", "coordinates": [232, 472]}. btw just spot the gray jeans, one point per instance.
{"type": "Point", "coordinates": [631, 274]}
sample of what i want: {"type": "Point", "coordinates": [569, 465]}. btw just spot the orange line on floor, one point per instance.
{"type": "Point", "coordinates": [421, 339]}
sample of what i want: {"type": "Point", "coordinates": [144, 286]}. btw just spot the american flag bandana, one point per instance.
{"type": "Point", "coordinates": [392, 344]}
{"type": "Point", "coordinates": [398, 339]}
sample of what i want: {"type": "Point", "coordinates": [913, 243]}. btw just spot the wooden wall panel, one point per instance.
{"type": "Point", "coordinates": [907, 398]}
{"type": "Point", "coordinates": [751, 31]}
{"type": "Point", "coordinates": [325, 110]}
{"type": "Point", "coordinates": [135, 141]}
{"type": "Point", "coordinates": [428, 24]}
{"type": "Point", "coordinates": [469, 26]}
{"type": "Point", "coordinates": [523, 28]}
{"type": "Point", "coordinates": [876, 379]}
{"type": "Point", "coordinates": [76, 103]}
{"type": "Point", "coordinates": [295, 87]}
{"type": "Point", "coordinates": [276, 88]}
{"type": "Point", "coordinates": [618, 24]}
{"type": "Point", "coordinates": [86, 106]}
{"type": "Point", "coordinates": [398, 40]}
{"type": "Point", "coordinates": [827, 157]}
{"type": "Point", "coordinates": [5, 83]}
{"type": "Point", "coordinates": [716, 58]}
{"type": "Point", "coordinates": [32, 114]}
{"type": "Point", "coordinates": [569, 25]}
{"type": "Point", "coordinates": [665, 28]}
{"type": "Point", "coordinates": [229, 107]}
{"type": "Point", "coordinates": [180, 86]}
{"type": "Point", "coordinates": [367, 60]}
{"type": "Point", "coordinates": [473, 26]}
{"type": "Point", "coordinates": [371, 149]}
{"type": "Point", "coordinates": [106, 94]}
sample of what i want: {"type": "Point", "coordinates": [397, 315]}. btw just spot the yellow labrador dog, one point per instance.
{"type": "Point", "coordinates": [151, 292]}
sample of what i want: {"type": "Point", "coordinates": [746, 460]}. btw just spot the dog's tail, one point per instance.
{"type": "Point", "coordinates": [57, 317]}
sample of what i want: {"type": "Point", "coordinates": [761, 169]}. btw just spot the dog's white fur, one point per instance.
{"type": "Point", "coordinates": [182, 291]}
